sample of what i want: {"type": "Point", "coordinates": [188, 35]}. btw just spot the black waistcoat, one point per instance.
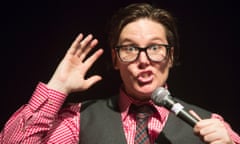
{"type": "Point", "coordinates": [100, 123]}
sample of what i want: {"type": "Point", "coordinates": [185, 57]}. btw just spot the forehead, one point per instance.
{"type": "Point", "coordinates": [143, 30]}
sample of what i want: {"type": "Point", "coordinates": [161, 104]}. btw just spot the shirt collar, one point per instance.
{"type": "Point", "coordinates": [125, 102]}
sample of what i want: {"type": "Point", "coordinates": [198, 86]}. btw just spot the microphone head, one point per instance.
{"type": "Point", "coordinates": [159, 95]}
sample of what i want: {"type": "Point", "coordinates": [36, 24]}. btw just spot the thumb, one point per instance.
{"type": "Point", "coordinates": [92, 80]}
{"type": "Point", "coordinates": [194, 114]}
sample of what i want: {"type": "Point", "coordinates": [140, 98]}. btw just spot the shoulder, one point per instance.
{"type": "Point", "coordinates": [97, 104]}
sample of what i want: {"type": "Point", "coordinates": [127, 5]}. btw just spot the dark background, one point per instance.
{"type": "Point", "coordinates": [36, 34]}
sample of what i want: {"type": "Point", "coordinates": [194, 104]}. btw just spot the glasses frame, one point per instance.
{"type": "Point", "coordinates": [140, 49]}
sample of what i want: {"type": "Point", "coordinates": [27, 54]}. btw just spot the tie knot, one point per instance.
{"type": "Point", "coordinates": [142, 111]}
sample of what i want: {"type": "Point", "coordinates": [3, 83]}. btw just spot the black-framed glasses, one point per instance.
{"type": "Point", "coordinates": [155, 52]}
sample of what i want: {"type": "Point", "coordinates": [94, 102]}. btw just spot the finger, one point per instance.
{"type": "Point", "coordinates": [211, 121]}
{"type": "Point", "coordinates": [88, 48]}
{"type": "Point", "coordinates": [207, 130]}
{"type": "Point", "coordinates": [92, 80]}
{"type": "Point", "coordinates": [84, 44]}
{"type": "Point", "coordinates": [196, 127]}
{"type": "Point", "coordinates": [89, 62]}
{"type": "Point", "coordinates": [217, 142]}
{"type": "Point", "coordinates": [212, 136]}
{"type": "Point", "coordinates": [193, 113]}
{"type": "Point", "coordinates": [74, 47]}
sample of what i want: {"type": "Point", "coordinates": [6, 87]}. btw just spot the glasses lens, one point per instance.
{"type": "Point", "coordinates": [157, 52]}
{"type": "Point", "coordinates": [128, 53]}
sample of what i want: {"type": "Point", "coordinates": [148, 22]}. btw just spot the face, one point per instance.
{"type": "Point", "coordinates": [141, 77]}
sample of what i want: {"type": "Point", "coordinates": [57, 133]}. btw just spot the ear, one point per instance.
{"type": "Point", "coordinates": [114, 59]}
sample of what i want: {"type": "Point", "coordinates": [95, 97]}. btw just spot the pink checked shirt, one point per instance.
{"type": "Point", "coordinates": [43, 121]}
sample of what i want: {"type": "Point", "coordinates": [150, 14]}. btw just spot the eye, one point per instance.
{"type": "Point", "coordinates": [154, 47]}
{"type": "Point", "coordinates": [130, 48]}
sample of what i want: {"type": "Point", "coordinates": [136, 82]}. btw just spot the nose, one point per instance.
{"type": "Point", "coordinates": [143, 59]}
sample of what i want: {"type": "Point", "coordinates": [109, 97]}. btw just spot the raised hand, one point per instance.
{"type": "Point", "coordinates": [70, 73]}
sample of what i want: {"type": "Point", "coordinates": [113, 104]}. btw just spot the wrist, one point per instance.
{"type": "Point", "coordinates": [57, 86]}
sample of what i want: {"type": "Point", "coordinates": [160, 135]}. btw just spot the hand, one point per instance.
{"type": "Point", "coordinates": [70, 73]}
{"type": "Point", "coordinates": [212, 131]}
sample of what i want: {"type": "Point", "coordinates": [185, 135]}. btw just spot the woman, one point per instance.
{"type": "Point", "coordinates": [144, 44]}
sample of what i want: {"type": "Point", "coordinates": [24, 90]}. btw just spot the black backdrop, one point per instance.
{"type": "Point", "coordinates": [36, 34]}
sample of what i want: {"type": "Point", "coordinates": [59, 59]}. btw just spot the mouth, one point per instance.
{"type": "Point", "coordinates": [145, 77]}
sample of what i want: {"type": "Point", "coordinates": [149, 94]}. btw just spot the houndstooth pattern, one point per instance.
{"type": "Point", "coordinates": [142, 115]}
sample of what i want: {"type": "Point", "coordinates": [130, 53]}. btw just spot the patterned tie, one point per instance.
{"type": "Point", "coordinates": [142, 114]}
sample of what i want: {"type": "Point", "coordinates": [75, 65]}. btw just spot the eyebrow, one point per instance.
{"type": "Point", "coordinates": [128, 40]}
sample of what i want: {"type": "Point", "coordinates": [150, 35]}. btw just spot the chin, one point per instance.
{"type": "Point", "coordinates": [145, 92]}
{"type": "Point", "coordinates": [148, 89]}
{"type": "Point", "coordinates": [142, 91]}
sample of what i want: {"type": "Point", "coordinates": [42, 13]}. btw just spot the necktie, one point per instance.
{"type": "Point", "coordinates": [142, 114]}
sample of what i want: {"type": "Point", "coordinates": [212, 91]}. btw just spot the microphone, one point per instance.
{"type": "Point", "coordinates": [162, 97]}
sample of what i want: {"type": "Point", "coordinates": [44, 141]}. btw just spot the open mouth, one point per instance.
{"type": "Point", "coordinates": [145, 77]}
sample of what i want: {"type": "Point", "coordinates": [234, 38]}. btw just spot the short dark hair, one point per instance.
{"type": "Point", "coordinates": [137, 11]}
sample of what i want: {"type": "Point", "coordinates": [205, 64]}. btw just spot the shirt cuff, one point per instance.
{"type": "Point", "coordinates": [46, 100]}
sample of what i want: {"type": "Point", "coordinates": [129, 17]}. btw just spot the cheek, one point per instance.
{"type": "Point", "coordinates": [125, 71]}
{"type": "Point", "coordinates": [162, 72]}
{"type": "Point", "coordinates": [127, 74]}
{"type": "Point", "coordinates": [162, 76]}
